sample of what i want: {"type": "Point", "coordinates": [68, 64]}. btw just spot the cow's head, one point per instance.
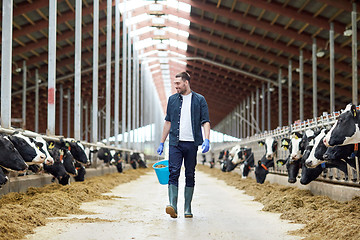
{"type": "Point", "coordinates": [296, 146]}
{"type": "Point", "coordinates": [10, 158]}
{"type": "Point", "coordinates": [104, 154]}
{"type": "Point", "coordinates": [261, 170]}
{"type": "Point", "coordinates": [270, 147]}
{"type": "Point", "coordinates": [346, 128]}
{"type": "Point", "coordinates": [316, 155]}
{"type": "Point", "coordinates": [27, 148]}
{"type": "Point", "coordinates": [339, 152]}
{"type": "Point", "coordinates": [77, 150]}
{"type": "Point", "coordinates": [43, 147]}
{"type": "Point", "coordinates": [309, 174]}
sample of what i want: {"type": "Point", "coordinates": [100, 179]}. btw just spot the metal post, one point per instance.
{"type": "Point", "coordinates": [241, 121]}
{"type": "Point", "coordinates": [117, 72]}
{"type": "Point", "coordinates": [133, 91]}
{"type": "Point", "coordinates": [354, 57]}
{"type": "Point", "coordinates": [269, 107]}
{"type": "Point", "coordinates": [263, 108]}
{"type": "Point", "coordinates": [257, 109]}
{"type": "Point", "coordinates": [332, 69]}
{"type": "Point", "coordinates": [123, 91]}
{"type": "Point", "coordinates": [52, 68]}
{"type": "Point", "coordinates": [6, 63]}
{"type": "Point", "coordinates": [86, 121]}
{"type": "Point", "coordinates": [314, 75]}
{"type": "Point", "coordinates": [280, 97]}
{"type": "Point", "coordinates": [95, 92]}
{"type": "Point", "coordinates": [68, 112]}
{"type": "Point", "coordinates": [248, 115]}
{"type": "Point", "coordinates": [301, 92]}
{"type": "Point", "coordinates": [24, 96]}
{"type": "Point", "coordinates": [252, 114]}
{"type": "Point", "coordinates": [77, 85]}
{"type": "Point", "coordinates": [129, 84]}
{"type": "Point", "coordinates": [36, 100]}
{"type": "Point", "coordinates": [290, 93]}
{"type": "Point", "coordinates": [108, 71]}
{"type": "Point", "coordinates": [81, 120]}
{"type": "Point", "coordinates": [61, 110]}
{"type": "Point", "coordinates": [137, 125]}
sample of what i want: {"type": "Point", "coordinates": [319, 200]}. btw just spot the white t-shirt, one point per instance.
{"type": "Point", "coordinates": [185, 129]}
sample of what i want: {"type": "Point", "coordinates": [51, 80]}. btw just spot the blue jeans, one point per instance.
{"type": "Point", "coordinates": [187, 151]}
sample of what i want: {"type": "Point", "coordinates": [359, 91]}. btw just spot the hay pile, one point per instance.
{"type": "Point", "coordinates": [20, 213]}
{"type": "Point", "coordinates": [323, 218]}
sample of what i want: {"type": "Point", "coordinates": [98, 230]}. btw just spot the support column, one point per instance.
{"type": "Point", "coordinates": [108, 71]}
{"type": "Point", "coordinates": [290, 93]}
{"type": "Point", "coordinates": [301, 91]}
{"type": "Point", "coordinates": [95, 92]}
{"type": "Point", "coordinates": [68, 113]}
{"type": "Point", "coordinates": [123, 91]}
{"type": "Point", "coordinates": [61, 109]}
{"type": "Point", "coordinates": [354, 45]}
{"type": "Point", "coordinates": [332, 69]}
{"type": "Point", "coordinates": [117, 73]}
{"type": "Point", "coordinates": [6, 62]}
{"type": "Point", "coordinates": [52, 68]}
{"type": "Point", "coordinates": [269, 107]}
{"type": "Point", "coordinates": [129, 84]}
{"type": "Point", "coordinates": [314, 76]}
{"type": "Point", "coordinates": [77, 85]}
{"type": "Point", "coordinates": [36, 100]}
{"type": "Point", "coordinates": [24, 70]}
{"type": "Point", "coordinates": [280, 97]}
{"type": "Point", "coordinates": [263, 108]}
{"type": "Point", "coordinates": [252, 114]}
{"type": "Point", "coordinates": [257, 110]}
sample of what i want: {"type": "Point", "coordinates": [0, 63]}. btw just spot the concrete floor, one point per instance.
{"type": "Point", "coordinates": [220, 212]}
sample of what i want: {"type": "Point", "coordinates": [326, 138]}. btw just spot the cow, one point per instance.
{"type": "Point", "coordinates": [267, 161]}
{"type": "Point", "coordinates": [212, 162]}
{"type": "Point", "coordinates": [234, 158]}
{"type": "Point", "coordinates": [346, 129]}
{"type": "Point", "coordinates": [296, 146]}
{"type": "Point", "coordinates": [247, 162]}
{"type": "Point", "coordinates": [81, 171]}
{"type": "Point", "coordinates": [27, 148]}
{"type": "Point", "coordinates": [223, 159]}
{"type": "Point", "coordinates": [137, 158]}
{"type": "Point", "coordinates": [10, 158]}
{"type": "Point", "coordinates": [3, 178]}
{"type": "Point", "coordinates": [58, 171]}
{"type": "Point", "coordinates": [77, 150]}
{"type": "Point", "coordinates": [43, 147]}
{"type": "Point", "coordinates": [105, 155]}
{"type": "Point", "coordinates": [118, 161]}
{"type": "Point", "coordinates": [316, 155]}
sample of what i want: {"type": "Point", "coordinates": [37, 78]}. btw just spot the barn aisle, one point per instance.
{"type": "Point", "coordinates": [220, 212]}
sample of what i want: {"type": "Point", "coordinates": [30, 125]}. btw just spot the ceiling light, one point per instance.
{"type": "Point", "coordinates": [18, 70]}
{"type": "Point", "coordinates": [271, 89]}
{"type": "Point", "coordinates": [320, 53]}
{"type": "Point", "coordinates": [348, 32]}
{"type": "Point", "coordinates": [297, 69]}
{"type": "Point", "coordinates": [283, 80]}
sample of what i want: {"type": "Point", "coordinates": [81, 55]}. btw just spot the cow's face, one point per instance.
{"type": "Point", "coordinates": [270, 147]}
{"type": "Point", "coordinates": [312, 161]}
{"type": "Point", "coordinates": [27, 149]}
{"type": "Point", "coordinates": [293, 170]}
{"type": "Point", "coordinates": [346, 128]}
{"type": "Point", "coordinates": [295, 153]}
{"type": "Point", "coordinates": [3, 178]}
{"type": "Point", "coordinates": [68, 162]}
{"type": "Point", "coordinates": [43, 147]}
{"type": "Point", "coordinates": [10, 157]}
{"type": "Point", "coordinates": [339, 152]}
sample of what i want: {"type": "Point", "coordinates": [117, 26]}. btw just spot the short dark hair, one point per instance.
{"type": "Point", "coordinates": [183, 75]}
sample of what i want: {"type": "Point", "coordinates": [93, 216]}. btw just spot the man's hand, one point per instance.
{"type": "Point", "coordinates": [160, 148]}
{"type": "Point", "coordinates": [205, 146]}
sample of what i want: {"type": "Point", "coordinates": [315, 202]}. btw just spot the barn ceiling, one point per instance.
{"type": "Point", "coordinates": [227, 41]}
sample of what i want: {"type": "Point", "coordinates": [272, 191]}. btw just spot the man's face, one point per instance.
{"type": "Point", "coordinates": [180, 85]}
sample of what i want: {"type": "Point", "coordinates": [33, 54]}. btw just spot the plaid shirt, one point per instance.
{"type": "Point", "coordinates": [199, 116]}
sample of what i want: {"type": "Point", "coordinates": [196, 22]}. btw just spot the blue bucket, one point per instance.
{"type": "Point", "coordinates": [162, 173]}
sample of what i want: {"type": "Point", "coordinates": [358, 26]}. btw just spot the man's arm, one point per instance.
{"type": "Point", "coordinates": [207, 130]}
{"type": "Point", "coordinates": [166, 131]}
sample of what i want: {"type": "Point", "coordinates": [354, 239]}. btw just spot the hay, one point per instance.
{"type": "Point", "coordinates": [323, 217]}
{"type": "Point", "coordinates": [20, 213]}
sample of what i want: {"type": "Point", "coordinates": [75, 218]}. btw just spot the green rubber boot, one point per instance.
{"type": "Point", "coordinates": [188, 197]}
{"type": "Point", "coordinates": [173, 197]}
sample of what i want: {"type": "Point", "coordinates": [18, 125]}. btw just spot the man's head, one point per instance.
{"type": "Point", "coordinates": [182, 83]}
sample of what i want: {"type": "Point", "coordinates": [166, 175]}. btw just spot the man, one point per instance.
{"type": "Point", "coordinates": [186, 112]}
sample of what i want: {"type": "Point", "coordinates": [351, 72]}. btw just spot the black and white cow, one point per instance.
{"type": "Point", "coordinates": [10, 157]}
{"type": "Point", "coordinates": [104, 154]}
{"type": "Point", "coordinates": [77, 150]}
{"type": "Point", "coordinates": [27, 148]}
{"type": "Point", "coordinates": [118, 161]}
{"type": "Point", "coordinates": [43, 147]}
{"type": "Point", "coordinates": [138, 158]}
{"type": "Point", "coordinates": [247, 163]}
{"type": "Point", "coordinates": [223, 159]}
{"type": "Point", "coordinates": [316, 155]}
{"type": "Point", "coordinates": [346, 129]}
{"type": "Point", "coordinates": [296, 146]}
{"type": "Point", "coordinates": [234, 159]}
{"type": "Point", "coordinates": [267, 161]}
